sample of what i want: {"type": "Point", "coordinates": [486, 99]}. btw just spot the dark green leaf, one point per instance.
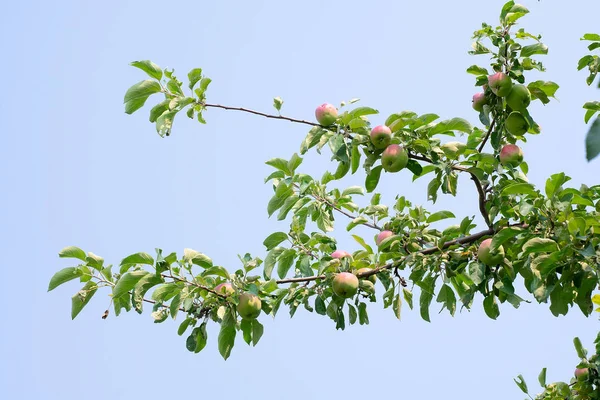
{"type": "Point", "coordinates": [592, 141]}
{"type": "Point", "coordinates": [138, 258]}
{"type": "Point", "coordinates": [127, 282]}
{"type": "Point", "coordinates": [81, 298]}
{"type": "Point", "coordinates": [274, 239]}
{"type": "Point", "coordinates": [521, 384]}
{"type": "Point", "coordinates": [490, 306]}
{"type": "Point", "coordinates": [257, 331]}
{"type": "Point", "coordinates": [227, 335]}
{"type": "Point", "coordinates": [373, 178]}
{"type": "Point", "coordinates": [285, 262]}
{"type": "Point", "coordinates": [542, 377]}
{"type": "Point", "coordinates": [438, 216]}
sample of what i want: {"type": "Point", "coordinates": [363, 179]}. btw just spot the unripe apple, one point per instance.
{"type": "Point", "coordinates": [511, 155]}
{"type": "Point", "coordinates": [516, 124]}
{"type": "Point", "coordinates": [326, 114]}
{"type": "Point", "coordinates": [345, 285]}
{"type": "Point", "coordinates": [371, 278]}
{"type": "Point", "coordinates": [581, 374]}
{"type": "Point", "coordinates": [366, 286]}
{"type": "Point", "coordinates": [479, 100]}
{"type": "Point", "coordinates": [225, 288]}
{"type": "Point", "coordinates": [394, 158]}
{"type": "Point", "coordinates": [500, 84]}
{"type": "Point", "coordinates": [340, 254]}
{"type": "Point", "coordinates": [381, 136]}
{"type": "Point", "coordinates": [249, 306]}
{"type": "Point", "coordinates": [382, 236]}
{"type": "Point", "coordinates": [484, 255]}
{"type": "Point", "coordinates": [453, 149]}
{"type": "Point", "coordinates": [519, 98]}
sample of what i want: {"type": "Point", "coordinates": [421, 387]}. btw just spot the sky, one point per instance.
{"type": "Point", "coordinates": [76, 170]}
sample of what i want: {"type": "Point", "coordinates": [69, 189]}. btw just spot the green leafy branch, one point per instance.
{"type": "Point", "coordinates": [592, 63]}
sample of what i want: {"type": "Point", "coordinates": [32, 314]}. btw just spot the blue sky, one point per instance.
{"type": "Point", "coordinates": [76, 170]}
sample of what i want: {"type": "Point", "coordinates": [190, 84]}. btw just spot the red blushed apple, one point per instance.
{"type": "Point", "coordinates": [326, 114]}
{"type": "Point", "coordinates": [519, 98]}
{"type": "Point", "coordinates": [225, 288]}
{"type": "Point", "coordinates": [486, 257]}
{"type": "Point", "coordinates": [516, 124]}
{"type": "Point", "coordinates": [581, 373]}
{"type": "Point", "coordinates": [479, 100]}
{"type": "Point", "coordinates": [511, 155]}
{"type": "Point", "coordinates": [381, 136]}
{"type": "Point", "coordinates": [500, 84]}
{"type": "Point", "coordinates": [382, 236]}
{"type": "Point", "coordinates": [340, 254]}
{"type": "Point", "coordinates": [249, 306]}
{"type": "Point", "coordinates": [394, 158]}
{"type": "Point", "coordinates": [345, 285]}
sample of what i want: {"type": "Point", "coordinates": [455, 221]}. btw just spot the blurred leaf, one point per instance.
{"type": "Point", "coordinates": [592, 141]}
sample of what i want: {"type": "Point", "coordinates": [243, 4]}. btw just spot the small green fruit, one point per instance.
{"type": "Point", "coordinates": [516, 124]}
{"type": "Point", "coordinates": [249, 306]}
{"type": "Point", "coordinates": [500, 84]}
{"type": "Point", "coordinates": [519, 98]}
{"type": "Point", "coordinates": [511, 155]}
{"type": "Point", "coordinates": [486, 257]}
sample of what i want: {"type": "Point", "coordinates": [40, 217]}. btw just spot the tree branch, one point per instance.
{"type": "Point", "coordinates": [432, 250]}
{"type": "Point", "coordinates": [299, 121]}
{"type": "Point", "coordinates": [487, 135]}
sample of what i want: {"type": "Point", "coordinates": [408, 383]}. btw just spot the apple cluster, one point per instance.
{"type": "Point", "coordinates": [517, 98]}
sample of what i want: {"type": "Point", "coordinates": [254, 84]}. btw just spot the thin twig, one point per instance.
{"type": "Point", "coordinates": [299, 121]}
{"type": "Point", "coordinates": [487, 135]}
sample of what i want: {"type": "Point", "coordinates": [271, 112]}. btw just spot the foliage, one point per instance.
{"type": "Point", "coordinates": [549, 237]}
{"type": "Point", "coordinates": [592, 62]}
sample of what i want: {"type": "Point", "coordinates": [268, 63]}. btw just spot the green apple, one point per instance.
{"type": "Point", "coordinates": [516, 124]}
{"type": "Point", "coordinates": [381, 136]}
{"type": "Point", "coordinates": [479, 100]}
{"type": "Point", "coordinates": [519, 98]}
{"type": "Point", "coordinates": [225, 288]}
{"type": "Point", "coordinates": [326, 114]}
{"type": "Point", "coordinates": [486, 257]}
{"type": "Point", "coordinates": [345, 285]}
{"type": "Point", "coordinates": [511, 155]}
{"type": "Point", "coordinates": [249, 306]}
{"type": "Point", "coordinates": [394, 158]}
{"type": "Point", "coordinates": [500, 84]}
{"type": "Point", "coordinates": [371, 278]}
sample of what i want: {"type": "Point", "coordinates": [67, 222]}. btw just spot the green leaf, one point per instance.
{"type": "Point", "coordinates": [538, 48]}
{"type": "Point", "coordinates": [591, 36]}
{"type": "Point", "coordinates": [320, 307]}
{"type": "Point", "coordinates": [581, 352]}
{"type": "Point", "coordinates": [274, 239]}
{"type": "Point", "coordinates": [519, 189]}
{"type": "Point", "coordinates": [184, 325]}
{"type": "Point", "coordinates": [164, 123]}
{"type": "Point", "coordinates": [257, 331]}
{"type": "Point", "coordinates": [226, 335]}
{"type": "Point", "coordinates": [542, 90]}
{"type": "Point", "coordinates": [397, 305]}
{"type": "Point", "coordinates": [440, 215]}
{"type": "Point", "coordinates": [353, 190]}
{"type": "Point", "coordinates": [432, 189]}
{"type": "Point", "coordinates": [360, 111]}
{"type": "Point", "coordinates": [194, 76]}
{"type": "Point", "coordinates": [363, 317]}
{"type": "Point", "coordinates": [555, 182]}
{"type": "Point", "coordinates": [280, 164]}
{"type": "Point", "coordinates": [282, 192]}
{"type": "Point", "coordinates": [62, 276]}
{"type": "Point", "coordinates": [246, 327]}
{"type": "Point", "coordinates": [355, 222]}
{"type": "Point", "coordinates": [285, 262]}
{"type": "Point", "coordinates": [454, 124]}
{"type": "Point", "coordinates": [165, 292]}
{"type": "Point", "coordinates": [294, 163]}
{"type": "Point", "coordinates": [592, 141]}
{"type": "Point", "coordinates": [270, 261]}
{"type": "Point", "coordinates": [201, 337]}
{"type": "Point", "coordinates": [539, 245]}
{"type": "Point", "coordinates": [149, 67]}
{"type": "Point", "coordinates": [408, 296]}
{"type": "Point", "coordinates": [138, 258]}
{"type": "Point", "coordinates": [490, 306]}
{"type": "Point", "coordinates": [373, 178]}
{"type": "Point", "coordinates": [136, 96]}
{"type": "Point", "coordinates": [81, 298]}
{"type": "Point", "coordinates": [477, 70]}
{"type": "Point", "coordinates": [277, 103]}
{"type": "Point", "coordinates": [542, 377]}
{"type": "Point", "coordinates": [197, 258]}
{"type": "Point", "coordinates": [521, 384]}
{"type": "Point", "coordinates": [448, 298]}
{"type": "Point", "coordinates": [502, 236]}
{"type": "Point", "coordinates": [427, 289]}
{"type": "Point", "coordinates": [355, 158]}
{"type": "Point", "coordinates": [72, 252]}
{"type": "Point", "coordinates": [159, 110]}
{"type": "Point", "coordinates": [216, 270]}
{"type": "Point", "coordinates": [127, 282]}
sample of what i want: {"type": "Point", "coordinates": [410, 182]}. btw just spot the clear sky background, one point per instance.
{"type": "Point", "coordinates": [76, 170]}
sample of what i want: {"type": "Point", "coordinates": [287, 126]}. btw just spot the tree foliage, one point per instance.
{"type": "Point", "coordinates": [545, 241]}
